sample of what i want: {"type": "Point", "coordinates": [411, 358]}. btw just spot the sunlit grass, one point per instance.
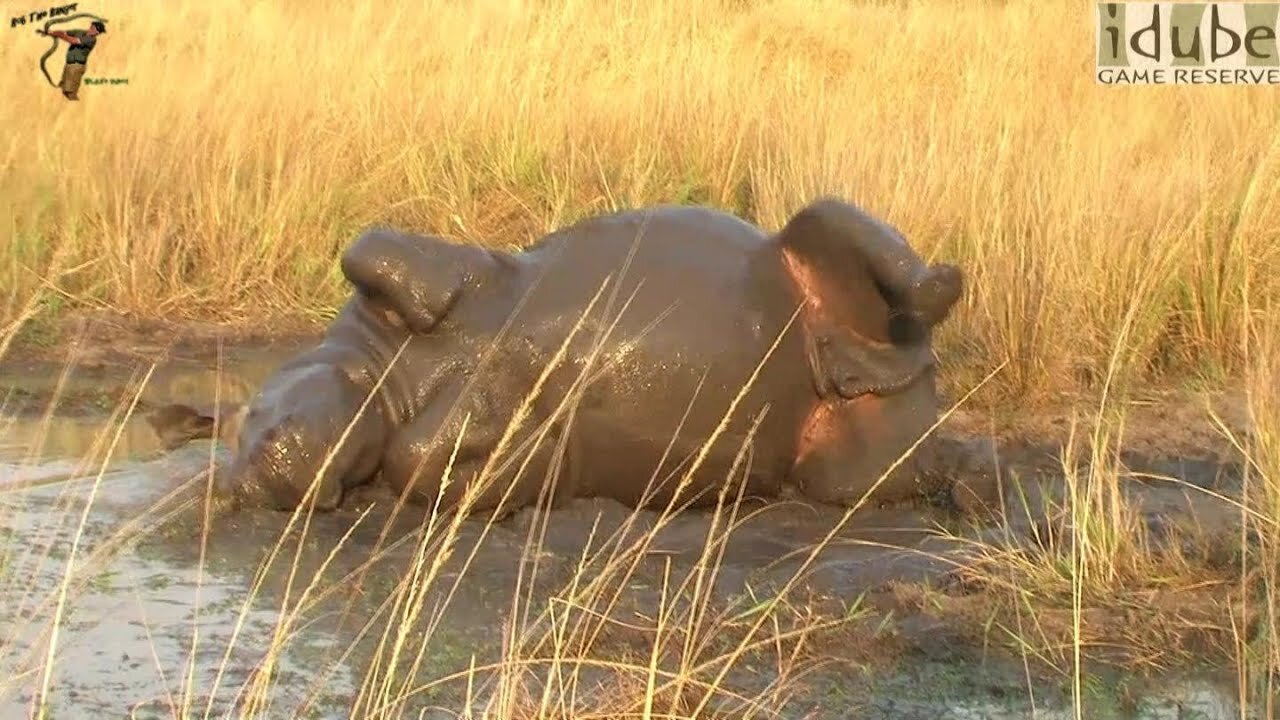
{"type": "Point", "coordinates": [1087, 581]}
{"type": "Point", "coordinates": [247, 150]}
{"type": "Point", "coordinates": [1112, 237]}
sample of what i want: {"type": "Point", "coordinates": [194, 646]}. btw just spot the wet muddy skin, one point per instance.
{"type": "Point", "coordinates": [139, 587]}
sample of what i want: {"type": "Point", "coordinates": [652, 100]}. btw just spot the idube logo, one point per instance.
{"type": "Point", "coordinates": [1176, 43]}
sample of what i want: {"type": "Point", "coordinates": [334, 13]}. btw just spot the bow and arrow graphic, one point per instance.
{"type": "Point", "coordinates": [44, 59]}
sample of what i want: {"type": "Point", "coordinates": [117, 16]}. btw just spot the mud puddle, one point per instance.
{"type": "Point", "coordinates": [137, 626]}
{"type": "Point", "coordinates": [150, 625]}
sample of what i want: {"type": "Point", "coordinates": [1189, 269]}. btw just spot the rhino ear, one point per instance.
{"type": "Point", "coordinates": [179, 424]}
{"type": "Point", "coordinates": [418, 277]}
{"type": "Point", "coordinates": [871, 300]}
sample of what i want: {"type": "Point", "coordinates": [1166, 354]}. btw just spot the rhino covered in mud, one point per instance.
{"type": "Point", "coordinates": [643, 354]}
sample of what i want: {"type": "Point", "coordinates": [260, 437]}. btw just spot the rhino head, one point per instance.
{"type": "Point", "coordinates": [869, 306]}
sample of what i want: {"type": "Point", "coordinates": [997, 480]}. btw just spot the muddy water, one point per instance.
{"type": "Point", "coordinates": [151, 627]}
{"type": "Point", "coordinates": [133, 622]}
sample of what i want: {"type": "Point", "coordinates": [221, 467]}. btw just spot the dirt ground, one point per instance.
{"type": "Point", "coordinates": [104, 340]}
{"type": "Point", "coordinates": [106, 351]}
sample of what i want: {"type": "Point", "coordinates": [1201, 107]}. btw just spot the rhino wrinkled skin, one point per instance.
{"type": "Point", "coordinates": [668, 313]}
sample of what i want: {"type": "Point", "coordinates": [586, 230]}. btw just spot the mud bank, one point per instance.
{"type": "Point", "coordinates": [161, 606]}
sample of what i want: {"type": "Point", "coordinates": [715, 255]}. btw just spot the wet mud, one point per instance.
{"type": "Point", "coordinates": [162, 611]}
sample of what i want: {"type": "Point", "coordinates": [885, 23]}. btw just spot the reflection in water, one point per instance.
{"type": "Point", "coordinates": [78, 430]}
{"type": "Point", "coordinates": [78, 438]}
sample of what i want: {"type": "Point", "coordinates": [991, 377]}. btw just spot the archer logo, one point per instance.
{"type": "Point", "coordinates": [80, 42]}
{"type": "Point", "coordinates": [1177, 43]}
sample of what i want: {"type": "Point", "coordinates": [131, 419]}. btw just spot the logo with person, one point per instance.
{"type": "Point", "coordinates": [80, 44]}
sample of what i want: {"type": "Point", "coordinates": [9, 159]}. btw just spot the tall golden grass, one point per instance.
{"type": "Point", "coordinates": [1112, 235]}
{"type": "Point", "coordinates": [253, 139]}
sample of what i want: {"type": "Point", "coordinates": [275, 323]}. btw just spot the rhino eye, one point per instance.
{"type": "Point", "coordinates": [393, 318]}
{"type": "Point", "coordinates": [381, 307]}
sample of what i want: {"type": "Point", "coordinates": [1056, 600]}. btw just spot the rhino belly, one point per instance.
{"type": "Point", "coordinates": [644, 427]}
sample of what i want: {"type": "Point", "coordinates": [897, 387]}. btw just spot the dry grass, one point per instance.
{"type": "Point", "coordinates": [254, 139]}
{"type": "Point", "coordinates": [1113, 235]}
{"type": "Point", "coordinates": [1091, 584]}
